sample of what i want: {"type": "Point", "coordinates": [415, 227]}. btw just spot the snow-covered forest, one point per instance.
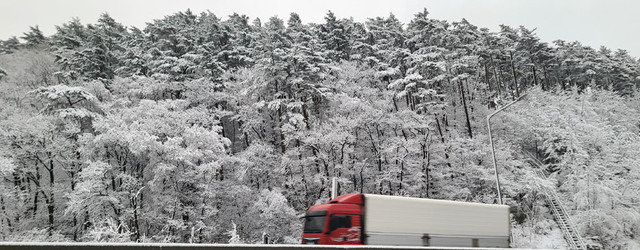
{"type": "Point", "coordinates": [210, 129]}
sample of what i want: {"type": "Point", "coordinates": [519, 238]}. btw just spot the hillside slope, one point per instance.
{"type": "Point", "coordinates": [201, 129]}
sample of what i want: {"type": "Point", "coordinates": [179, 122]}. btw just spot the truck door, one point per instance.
{"type": "Point", "coordinates": [344, 229]}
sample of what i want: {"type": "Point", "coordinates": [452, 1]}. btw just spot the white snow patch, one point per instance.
{"type": "Point", "coordinates": [526, 238]}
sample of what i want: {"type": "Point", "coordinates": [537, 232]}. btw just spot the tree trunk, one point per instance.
{"type": "Point", "coordinates": [38, 188]}
{"type": "Point", "coordinates": [425, 170]}
{"type": "Point", "coordinates": [486, 77]}
{"type": "Point", "coordinates": [361, 180]}
{"type": "Point", "coordinates": [50, 199]}
{"type": "Point", "coordinates": [395, 103]}
{"type": "Point", "coordinates": [466, 110]}
{"type": "Point", "coordinates": [5, 214]}
{"type": "Point", "coordinates": [515, 77]}
{"type": "Point", "coordinates": [305, 114]}
{"type": "Point", "coordinates": [446, 155]}
{"type": "Point", "coordinates": [136, 225]}
{"type": "Point", "coordinates": [535, 79]}
{"type": "Point", "coordinates": [561, 81]}
{"type": "Point", "coordinates": [282, 143]}
{"type": "Point", "coordinates": [545, 85]}
{"type": "Point", "coordinates": [498, 81]}
{"type": "Point", "coordinates": [401, 176]}
{"type": "Point", "coordinates": [50, 208]}
{"type": "Point", "coordinates": [375, 149]}
{"type": "Point", "coordinates": [73, 187]}
{"type": "Point", "coordinates": [233, 136]}
{"type": "Point", "coordinates": [439, 128]}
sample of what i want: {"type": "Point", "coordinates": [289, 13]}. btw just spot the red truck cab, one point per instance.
{"type": "Point", "coordinates": [339, 222]}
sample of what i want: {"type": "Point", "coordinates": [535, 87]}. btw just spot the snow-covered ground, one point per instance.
{"type": "Point", "coordinates": [525, 238]}
{"type": "Point", "coordinates": [632, 244]}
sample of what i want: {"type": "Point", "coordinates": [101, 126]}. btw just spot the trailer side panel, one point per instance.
{"type": "Point", "coordinates": [394, 220]}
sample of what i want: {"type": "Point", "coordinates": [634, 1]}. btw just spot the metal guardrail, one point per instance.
{"type": "Point", "coordinates": [179, 246]}
{"type": "Point", "coordinates": [571, 235]}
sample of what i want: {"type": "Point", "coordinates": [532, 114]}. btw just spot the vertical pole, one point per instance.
{"type": "Point", "coordinates": [493, 154]}
{"type": "Point", "coordinates": [493, 151]}
{"type": "Point", "coordinates": [334, 188]}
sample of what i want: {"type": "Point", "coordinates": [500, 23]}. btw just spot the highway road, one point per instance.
{"type": "Point", "coordinates": [182, 246]}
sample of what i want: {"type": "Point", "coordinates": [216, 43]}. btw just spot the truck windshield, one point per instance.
{"type": "Point", "coordinates": [314, 221]}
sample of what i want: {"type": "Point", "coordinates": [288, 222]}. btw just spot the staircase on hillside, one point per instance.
{"type": "Point", "coordinates": [560, 215]}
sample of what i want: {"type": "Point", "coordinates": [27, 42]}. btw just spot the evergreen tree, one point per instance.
{"type": "Point", "coordinates": [10, 45]}
{"type": "Point", "coordinates": [88, 52]}
{"type": "Point", "coordinates": [334, 37]}
{"type": "Point", "coordinates": [34, 37]}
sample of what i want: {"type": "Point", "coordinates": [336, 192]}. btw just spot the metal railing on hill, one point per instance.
{"type": "Point", "coordinates": [560, 215]}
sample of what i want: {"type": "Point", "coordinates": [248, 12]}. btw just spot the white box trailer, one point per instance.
{"type": "Point", "coordinates": [393, 220]}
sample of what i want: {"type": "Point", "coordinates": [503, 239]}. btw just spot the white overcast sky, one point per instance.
{"type": "Point", "coordinates": [611, 23]}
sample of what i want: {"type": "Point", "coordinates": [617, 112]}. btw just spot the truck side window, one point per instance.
{"type": "Point", "coordinates": [339, 221]}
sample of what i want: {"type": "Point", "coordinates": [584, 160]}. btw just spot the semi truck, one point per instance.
{"type": "Point", "coordinates": [370, 219]}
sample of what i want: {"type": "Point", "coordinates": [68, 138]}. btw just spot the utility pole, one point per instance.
{"type": "Point", "coordinates": [493, 151]}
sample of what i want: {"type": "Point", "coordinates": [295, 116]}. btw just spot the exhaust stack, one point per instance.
{"type": "Point", "coordinates": [334, 188]}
